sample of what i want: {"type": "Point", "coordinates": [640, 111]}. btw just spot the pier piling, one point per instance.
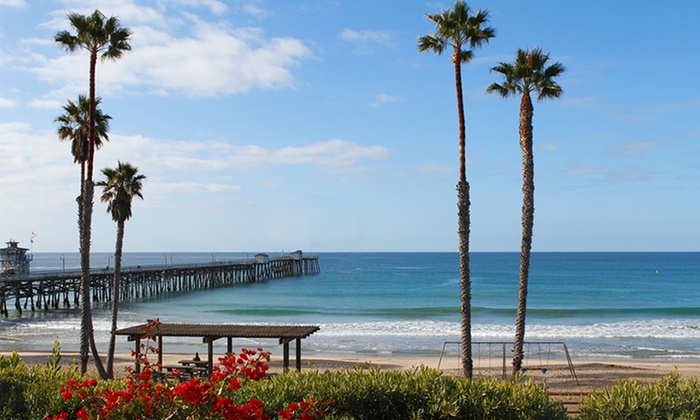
{"type": "Point", "coordinates": [49, 289]}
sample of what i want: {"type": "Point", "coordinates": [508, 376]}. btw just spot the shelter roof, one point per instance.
{"type": "Point", "coordinates": [222, 330]}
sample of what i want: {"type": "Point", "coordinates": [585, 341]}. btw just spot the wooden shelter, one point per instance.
{"type": "Point", "coordinates": [213, 332]}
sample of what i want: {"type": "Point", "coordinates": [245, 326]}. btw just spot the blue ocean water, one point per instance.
{"type": "Point", "coordinates": [621, 305]}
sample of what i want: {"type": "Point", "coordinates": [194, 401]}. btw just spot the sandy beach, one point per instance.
{"type": "Point", "coordinates": [590, 375]}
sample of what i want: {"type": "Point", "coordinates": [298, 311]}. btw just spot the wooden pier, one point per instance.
{"type": "Point", "coordinates": [53, 290]}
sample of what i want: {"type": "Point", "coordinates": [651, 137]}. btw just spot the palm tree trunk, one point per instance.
{"type": "Point", "coordinates": [464, 279]}
{"type": "Point", "coordinates": [115, 296]}
{"type": "Point", "coordinates": [84, 285]}
{"type": "Point", "coordinates": [528, 218]}
{"type": "Point", "coordinates": [92, 135]}
{"type": "Point", "coordinates": [456, 58]}
{"type": "Point", "coordinates": [463, 216]}
{"type": "Point", "coordinates": [87, 334]}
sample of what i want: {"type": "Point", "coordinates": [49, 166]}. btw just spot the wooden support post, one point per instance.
{"type": "Point", "coordinates": [210, 350]}
{"type": "Point", "coordinates": [298, 349]}
{"type": "Point", "coordinates": [137, 351]}
{"type": "Point", "coordinates": [285, 354]}
{"type": "Point", "coordinates": [160, 350]}
{"type": "Point", "coordinates": [229, 344]}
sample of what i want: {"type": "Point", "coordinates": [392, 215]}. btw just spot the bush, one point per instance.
{"type": "Point", "coordinates": [32, 392]}
{"type": "Point", "coordinates": [45, 391]}
{"type": "Point", "coordinates": [421, 393]}
{"type": "Point", "coordinates": [668, 398]}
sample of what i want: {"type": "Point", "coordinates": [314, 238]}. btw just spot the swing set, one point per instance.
{"type": "Point", "coordinates": [489, 356]}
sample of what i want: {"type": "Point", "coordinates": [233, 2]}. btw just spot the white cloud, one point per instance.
{"type": "Point", "coordinates": [587, 170]}
{"type": "Point", "coordinates": [214, 62]}
{"type": "Point", "coordinates": [636, 148]}
{"type": "Point", "coordinates": [599, 174]}
{"type": "Point", "coordinates": [331, 156]}
{"type": "Point", "coordinates": [434, 169]}
{"type": "Point", "coordinates": [209, 59]}
{"type": "Point", "coordinates": [32, 163]}
{"type": "Point", "coordinates": [15, 4]}
{"type": "Point", "coordinates": [215, 6]}
{"type": "Point", "coordinates": [128, 12]}
{"type": "Point", "coordinates": [192, 187]}
{"type": "Point", "coordinates": [548, 147]}
{"type": "Point", "coordinates": [384, 98]}
{"type": "Point", "coordinates": [37, 170]}
{"type": "Point", "coordinates": [14, 127]}
{"type": "Point", "coordinates": [7, 103]}
{"type": "Point", "coordinates": [45, 104]}
{"type": "Point", "coordinates": [367, 36]}
{"type": "Point", "coordinates": [253, 10]}
{"type": "Point", "coordinates": [183, 159]}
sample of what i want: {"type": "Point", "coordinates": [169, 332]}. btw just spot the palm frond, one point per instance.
{"type": "Point", "coordinates": [120, 185]}
{"type": "Point", "coordinates": [529, 73]}
{"type": "Point", "coordinates": [431, 43]}
{"type": "Point", "coordinates": [458, 28]}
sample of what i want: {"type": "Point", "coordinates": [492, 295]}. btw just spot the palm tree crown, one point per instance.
{"type": "Point", "coordinates": [121, 185]}
{"type": "Point", "coordinates": [95, 34]}
{"type": "Point", "coordinates": [74, 126]}
{"type": "Point", "coordinates": [528, 74]}
{"type": "Point", "coordinates": [456, 28]}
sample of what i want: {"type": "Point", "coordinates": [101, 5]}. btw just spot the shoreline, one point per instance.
{"type": "Point", "coordinates": [592, 375]}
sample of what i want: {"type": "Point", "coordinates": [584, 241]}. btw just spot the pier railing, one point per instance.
{"type": "Point", "coordinates": [53, 290]}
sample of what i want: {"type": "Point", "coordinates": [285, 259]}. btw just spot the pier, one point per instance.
{"type": "Point", "coordinates": [62, 289]}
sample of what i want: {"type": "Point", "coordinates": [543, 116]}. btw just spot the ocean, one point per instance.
{"type": "Point", "coordinates": [644, 306]}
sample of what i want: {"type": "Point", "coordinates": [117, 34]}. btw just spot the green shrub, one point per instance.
{"type": "Point", "coordinates": [32, 392]}
{"type": "Point", "coordinates": [496, 399]}
{"type": "Point", "coordinates": [421, 393]}
{"type": "Point", "coordinates": [668, 398]}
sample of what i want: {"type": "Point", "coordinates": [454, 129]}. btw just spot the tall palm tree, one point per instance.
{"type": "Point", "coordinates": [529, 74]}
{"type": "Point", "coordinates": [74, 126]}
{"type": "Point", "coordinates": [106, 38]}
{"type": "Point", "coordinates": [121, 185]}
{"type": "Point", "coordinates": [458, 29]}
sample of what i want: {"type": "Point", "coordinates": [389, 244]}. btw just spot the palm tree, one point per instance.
{"type": "Point", "coordinates": [74, 126]}
{"type": "Point", "coordinates": [528, 74]}
{"type": "Point", "coordinates": [121, 185]}
{"type": "Point", "coordinates": [459, 29]}
{"type": "Point", "coordinates": [104, 37]}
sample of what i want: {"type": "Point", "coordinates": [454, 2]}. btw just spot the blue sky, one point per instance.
{"type": "Point", "coordinates": [317, 125]}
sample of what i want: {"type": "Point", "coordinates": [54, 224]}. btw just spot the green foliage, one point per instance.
{"type": "Point", "coordinates": [32, 392]}
{"type": "Point", "coordinates": [421, 393]}
{"type": "Point", "coordinates": [668, 398]}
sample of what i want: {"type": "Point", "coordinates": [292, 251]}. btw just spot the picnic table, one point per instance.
{"type": "Point", "coordinates": [189, 368]}
{"type": "Point", "coordinates": [197, 363]}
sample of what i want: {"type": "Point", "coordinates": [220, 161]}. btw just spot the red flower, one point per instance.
{"type": "Point", "coordinates": [193, 399]}
{"type": "Point", "coordinates": [82, 414]}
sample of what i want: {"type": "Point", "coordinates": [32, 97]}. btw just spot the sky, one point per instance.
{"type": "Point", "coordinates": [271, 126]}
